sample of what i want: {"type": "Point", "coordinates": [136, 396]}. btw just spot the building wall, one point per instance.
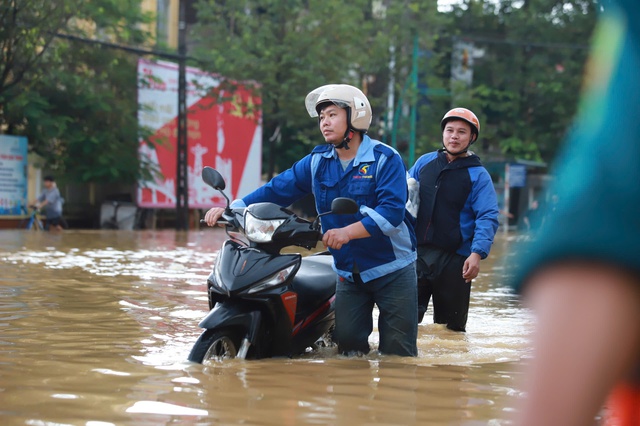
{"type": "Point", "coordinates": [165, 26]}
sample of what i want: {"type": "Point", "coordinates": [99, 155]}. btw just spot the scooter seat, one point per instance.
{"type": "Point", "coordinates": [316, 279]}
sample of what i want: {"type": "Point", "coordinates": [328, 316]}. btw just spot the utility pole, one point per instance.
{"type": "Point", "coordinates": [414, 102]}
{"type": "Point", "coordinates": [182, 175]}
{"type": "Point", "coordinates": [411, 84]}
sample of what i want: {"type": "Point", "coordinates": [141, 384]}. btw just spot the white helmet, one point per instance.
{"type": "Point", "coordinates": [344, 96]}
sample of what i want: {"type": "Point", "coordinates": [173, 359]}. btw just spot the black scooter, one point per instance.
{"type": "Point", "coordinates": [264, 303]}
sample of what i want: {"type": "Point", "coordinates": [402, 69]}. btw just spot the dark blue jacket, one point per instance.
{"type": "Point", "coordinates": [376, 180]}
{"type": "Point", "coordinates": [458, 208]}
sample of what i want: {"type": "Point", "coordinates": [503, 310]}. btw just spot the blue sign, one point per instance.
{"type": "Point", "coordinates": [13, 174]}
{"type": "Point", "coordinates": [517, 175]}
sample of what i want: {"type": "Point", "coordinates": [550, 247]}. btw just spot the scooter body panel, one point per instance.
{"type": "Point", "coordinates": [263, 316]}
{"type": "Point", "coordinates": [240, 266]}
{"type": "Point", "coordinates": [270, 337]}
{"type": "Point", "coordinates": [281, 303]}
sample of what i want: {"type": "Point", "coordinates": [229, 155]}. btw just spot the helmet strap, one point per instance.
{"type": "Point", "coordinates": [348, 135]}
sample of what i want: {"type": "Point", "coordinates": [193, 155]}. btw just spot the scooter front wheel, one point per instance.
{"type": "Point", "coordinates": [216, 345]}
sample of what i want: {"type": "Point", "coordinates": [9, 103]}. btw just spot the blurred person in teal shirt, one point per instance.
{"type": "Point", "coordinates": [581, 276]}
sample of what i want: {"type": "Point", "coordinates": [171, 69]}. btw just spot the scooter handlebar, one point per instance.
{"type": "Point", "coordinates": [221, 222]}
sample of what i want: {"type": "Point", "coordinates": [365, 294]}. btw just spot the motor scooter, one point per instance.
{"type": "Point", "coordinates": [265, 303]}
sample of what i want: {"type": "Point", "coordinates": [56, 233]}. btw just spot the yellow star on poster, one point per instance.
{"type": "Point", "coordinates": [236, 106]}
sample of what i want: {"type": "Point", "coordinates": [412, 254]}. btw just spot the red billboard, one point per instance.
{"type": "Point", "coordinates": [224, 131]}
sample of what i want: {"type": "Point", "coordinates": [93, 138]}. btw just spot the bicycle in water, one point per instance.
{"type": "Point", "coordinates": [33, 221]}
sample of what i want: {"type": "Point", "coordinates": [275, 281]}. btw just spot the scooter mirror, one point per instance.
{"type": "Point", "coordinates": [213, 178]}
{"type": "Point", "coordinates": [343, 205]}
{"type": "Point", "coordinates": [340, 205]}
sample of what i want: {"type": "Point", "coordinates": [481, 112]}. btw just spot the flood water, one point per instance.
{"type": "Point", "coordinates": [96, 326]}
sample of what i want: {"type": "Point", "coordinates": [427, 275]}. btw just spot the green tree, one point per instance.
{"type": "Point", "coordinates": [288, 47]}
{"type": "Point", "coordinates": [526, 85]}
{"type": "Point", "coordinates": [293, 46]}
{"type": "Point", "coordinates": [77, 103]}
{"type": "Point", "coordinates": [27, 29]}
{"type": "Point", "coordinates": [414, 31]}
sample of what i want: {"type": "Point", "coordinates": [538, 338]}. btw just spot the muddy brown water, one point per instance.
{"type": "Point", "coordinates": [96, 326]}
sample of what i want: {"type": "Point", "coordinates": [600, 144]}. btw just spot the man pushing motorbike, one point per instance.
{"type": "Point", "coordinates": [374, 250]}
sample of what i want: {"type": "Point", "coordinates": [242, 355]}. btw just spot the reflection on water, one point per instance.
{"type": "Point", "coordinates": [96, 327]}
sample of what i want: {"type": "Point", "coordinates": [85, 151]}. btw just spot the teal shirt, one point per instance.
{"type": "Point", "coordinates": [597, 217]}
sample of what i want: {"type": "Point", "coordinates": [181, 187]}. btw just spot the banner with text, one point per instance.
{"type": "Point", "coordinates": [13, 174]}
{"type": "Point", "coordinates": [224, 131]}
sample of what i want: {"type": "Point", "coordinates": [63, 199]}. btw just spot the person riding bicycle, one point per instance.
{"type": "Point", "coordinates": [50, 202]}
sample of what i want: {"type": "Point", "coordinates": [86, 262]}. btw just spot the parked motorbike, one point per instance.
{"type": "Point", "coordinates": [264, 303]}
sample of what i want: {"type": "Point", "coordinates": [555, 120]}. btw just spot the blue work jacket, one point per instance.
{"type": "Point", "coordinates": [458, 209]}
{"type": "Point", "coordinates": [376, 180]}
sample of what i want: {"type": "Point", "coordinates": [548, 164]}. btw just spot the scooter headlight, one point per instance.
{"type": "Point", "coordinates": [274, 280]}
{"type": "Point", "coordinates": [260, 230]}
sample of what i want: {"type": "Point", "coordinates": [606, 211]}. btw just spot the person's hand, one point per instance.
{"type": "Point", "coordinates": [471, 267]}
{"type": "Point", "coordinates": [336, 238]}
{"type": "Point", "coordinates": [212, 216]}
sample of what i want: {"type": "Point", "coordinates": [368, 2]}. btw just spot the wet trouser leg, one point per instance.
{"type": "Point", "coordinates": [354, 320]}
{"type": "Point", "coordinates": [396, 297]}
{"type": "Point", "coordinates": [451, 295]}
{"type": "Point", "coordinates": [440, 279]}
{"type": "Point", "coordinates": [424, 295]}
{"type": "Point", "coordinates": [395, 294]}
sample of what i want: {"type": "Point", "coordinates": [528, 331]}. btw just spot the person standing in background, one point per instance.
{"type": "Point", "coordinates": [50, 202]}
{"type": "Point", "coordinates": [581, 275]}
{"type": "Point", "coordinates": [456, 222]}
{"type": "Point", "coordinates": [532, 218]}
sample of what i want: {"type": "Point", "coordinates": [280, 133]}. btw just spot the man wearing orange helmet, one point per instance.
{"type": "Point", "coordinates": [456, 221]}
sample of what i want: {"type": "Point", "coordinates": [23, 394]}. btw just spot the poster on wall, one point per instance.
{"type": "Point", "coordinates": [224, 131]}
{"type": "Point", "coordinates": [13, 174]}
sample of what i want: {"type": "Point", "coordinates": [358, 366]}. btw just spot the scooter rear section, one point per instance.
{"type": "Point", "coordinates": [315, 286]}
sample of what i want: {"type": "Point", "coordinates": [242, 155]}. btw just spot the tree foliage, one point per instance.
{"type": "Point", "coordinates": [526, 84]}
{"type": "Point", "coordinates": [27, 30]}
{"type": "Point", "coordinates": [289, 47]}
{"type": "Point", "coordinates": [75, 101]}
{"type": "Point", "coordinates": [524, 87]}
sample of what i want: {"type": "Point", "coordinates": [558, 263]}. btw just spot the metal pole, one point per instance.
{"type": "Point", "coordinates": [390, 95]}
{"type": "Point", "coordinates": [182, 175]}
{"type": "Point", "coordinates": [507, 193]}
{"type": "Point", "coordinates": [396, 116]}
{"type": "Point", "coordinates": [414, 102]}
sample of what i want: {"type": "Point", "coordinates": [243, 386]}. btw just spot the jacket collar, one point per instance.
{"type": "Point", "coordinates": [365, 152]}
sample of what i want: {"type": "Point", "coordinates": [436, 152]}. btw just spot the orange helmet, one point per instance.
{"type": "Point", "coordinates": [462, 114]}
